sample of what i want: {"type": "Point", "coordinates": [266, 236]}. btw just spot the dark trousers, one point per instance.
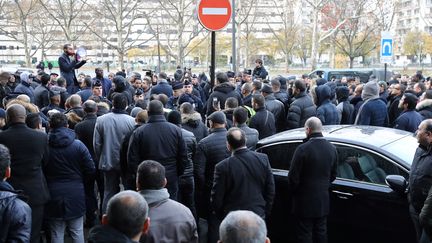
{"type": "Point", "coordinates": [186, 194]}
{"type": "Point", "coordinates": [91, 197]}
{"type": "Point", "coordinates": [310, 230]}
{"type": "Point", "coordinates": [213, 228]}
{"type": "Point", "coordinates": [421, 235]}
{"type": "Point", "coordinates": [37, 219]}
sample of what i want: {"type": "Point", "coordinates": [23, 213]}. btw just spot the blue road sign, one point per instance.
{"type": "Point", "coordinates": [387, 47]}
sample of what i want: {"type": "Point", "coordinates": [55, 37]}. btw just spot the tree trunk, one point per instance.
{"type": "Point", "coordinates": [239, 49]}
{"type": "Point", "coordinates": [286, 63]}
{"type": "Point", "coordinates": [315, 43]}
{"type": "Point", "coordinates": [351, 65]}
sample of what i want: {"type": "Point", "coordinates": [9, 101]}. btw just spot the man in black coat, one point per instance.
{"type": "Point", "coordinates": [243, 181]}
{"type": "Point", "coordinates": [420, 177]}
{"type": "Point", "coordinates": [221, 93]}
{"type": "Point", "coordinates": [313, 168]}
{"type": "Point", "coordinates": [263, 120]}
{"type": "Point", "coordinates": [302, 108]}
{"type": "Point", "coordinates": [393, 105]}
{"type": "Point", "coordinates": [67, 64]}
{"type": "Point", "coordinates": [210, 151]}
{"type": "Point", "coordinates": [259, 70]}
{"type": "Point", "coordinates": [28, 149]}
{"type": "Point", "coordinates": [161, 141]}
{"type": "Point", "coordinates": [41, 92]}
{"type": "Point", "coordinates": [85, 131]}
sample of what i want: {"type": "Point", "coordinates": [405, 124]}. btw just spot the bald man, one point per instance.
{"type": "Point", "coordinates": [313, 168]}
{"type": "Point", "coordinates": [243, 181]}
{"type": "Point", "coordinates": [28, 152]}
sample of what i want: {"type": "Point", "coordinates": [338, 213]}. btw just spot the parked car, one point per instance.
{"type": "Point", "coordinates": [368, 198]}
{"type": "Point", "coordinates": [363, 73]}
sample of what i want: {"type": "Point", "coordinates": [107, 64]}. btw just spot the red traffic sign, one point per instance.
{"type": "Point", "coordinates": [214, 14]}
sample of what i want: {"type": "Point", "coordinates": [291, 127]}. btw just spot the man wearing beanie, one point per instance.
{"type": "Point", "coordinates": [373, 111]}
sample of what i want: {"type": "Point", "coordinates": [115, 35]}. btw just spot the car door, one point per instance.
{"type": "Point", "coordinates": [363, 207]}
{"type": "Point", "coordinates": [280, 224]}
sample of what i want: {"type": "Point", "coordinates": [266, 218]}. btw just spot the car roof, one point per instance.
{"type": "Point", "coordinates": [370, 135]}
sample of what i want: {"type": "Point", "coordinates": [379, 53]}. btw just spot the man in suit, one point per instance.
{"type": "Point", "coordinates": [313, 168]}
{"type": "Point", "coordinates": [67, 64]}
{"type": "Point", "coordinates": [243, 181]}
{"type": "Point", "coordinates": [28, 149]}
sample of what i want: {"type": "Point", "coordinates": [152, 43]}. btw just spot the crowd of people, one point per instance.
{"type": "Point", "coordinates": [180, 147]}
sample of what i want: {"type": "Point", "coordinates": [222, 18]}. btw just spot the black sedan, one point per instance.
{"type": "Point", "coordinates": [368, 200]}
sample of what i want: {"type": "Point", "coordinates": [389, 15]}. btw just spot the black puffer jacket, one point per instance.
{"type": "Point", "coordinates": [425, 108]}
{"type": "Point", "coordinates": [420, 178]}
{"type": "Point", "coordinates": [15, 216]}
{"type": "Point", "coordinates": [264, 122]}
{"type": "Point", "coordinates": [210, 151]}
{"type": "Point", "coordinates": [301, 109]}
{"type": "Point", "coordinates": [222, 92]}
{"type": "Point", "coordinates": [278, 109]}
{"type": "Point", "coordinates": [194, 124]}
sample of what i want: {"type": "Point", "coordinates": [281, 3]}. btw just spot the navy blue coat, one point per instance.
{"type": "Point", "coordinates": [163, 87]}
{"type": "Point", "coordinates": [15, 216]}
{"type": "Point", "coordinates": [67, 69]}
{"type": "Point", "coordinates": [408, 121]}
{"type": "Point", "coordinates": [69, 162]}
{"type": "Point", "coordinates": [27, 89]}
{"type": "Point", "coordinates": [326, 110]}
{"type": "Point", "coordinates": [373, 113]}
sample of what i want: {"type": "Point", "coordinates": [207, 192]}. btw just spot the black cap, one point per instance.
{"type": "Point", "coordinates": [54, 74]}
{"type": "Point", "coordinates": [266, 89]}
{"type": "Point", "coordinates": [96, 83]}
{"type": "Point", "coordinates": [177, 85]}
{"type": "Point", "coordinates": [139, 92]}
{"type": "Point", "coordinates": [230, 74]}
{"type": "Point", "coordinates": [217, 117]}
{"type": "Point", "coordinates": [187, 82]}
{"type": "Point", "coordinates": [247, 71]}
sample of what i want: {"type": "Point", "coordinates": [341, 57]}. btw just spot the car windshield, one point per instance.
{"type": "Point", "coordinates": [403, 148]}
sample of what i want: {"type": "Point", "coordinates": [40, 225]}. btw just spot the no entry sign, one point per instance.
{"type": "Point", "coordinates": [214, 14]}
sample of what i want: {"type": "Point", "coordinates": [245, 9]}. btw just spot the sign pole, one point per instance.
{"type": "Point", "coordinates": [234, 48]}
{"type": "Point", "coordinates": [385, 72]}
{"type": "Point", "coordinates": [213, 59]}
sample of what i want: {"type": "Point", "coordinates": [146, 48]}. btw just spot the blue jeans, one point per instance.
{"type": "Point", "coordinates": [75, 227]}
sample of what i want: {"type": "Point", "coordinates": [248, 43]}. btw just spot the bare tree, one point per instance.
{"type": "Point", "coordinates": [246, 17]}
{"type": "Point", "coordinates": [286, 35]}
{"type": "Point", "coordinates": [69, 16]}
{"type": "Point", "coordinates": [43, 32]}
{"type": "Point", "coordinates": [19, 17]}
{"type": "Point", "coordinates": [317, 6]}
{"type": "Point", "coordinates": [178, 13]}
{"type": "Point", "coordinates": [122, 17]}
{"type": "Point", "coordinates": [384, 12]}
{"type": "Point", "coordinates": [358, 36]}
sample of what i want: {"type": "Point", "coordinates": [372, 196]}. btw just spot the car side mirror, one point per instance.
{"type": "Point", "coordinates": [397, 183]}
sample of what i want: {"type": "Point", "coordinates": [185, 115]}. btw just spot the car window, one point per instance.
{"type": "Point", "coordinates": [361, 165]}
{"type": "Point", "coordinates": [280, 155]}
